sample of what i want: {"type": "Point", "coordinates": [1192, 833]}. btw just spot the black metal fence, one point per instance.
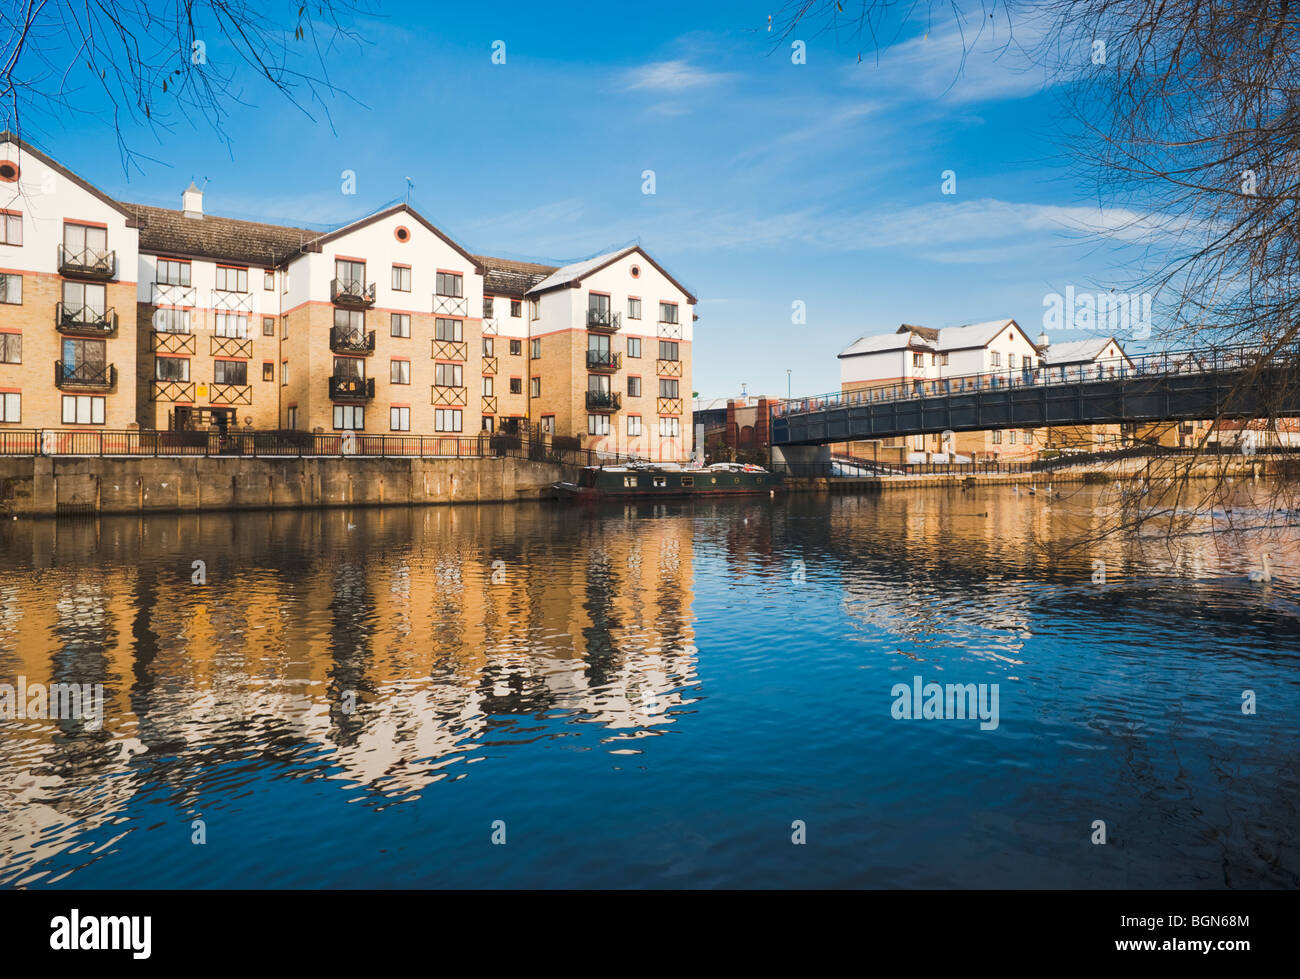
{"type": "Point", "coordinates": [57, 442]}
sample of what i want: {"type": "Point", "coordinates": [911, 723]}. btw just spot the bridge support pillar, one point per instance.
{"type": "Point", "coordinates": [798, 456]}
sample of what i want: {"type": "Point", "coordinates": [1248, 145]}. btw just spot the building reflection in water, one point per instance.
{"type": "Point", "coordinates": [385, 649]}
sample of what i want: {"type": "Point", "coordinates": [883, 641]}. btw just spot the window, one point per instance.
{"type": "Point", "coordinates": [997, 438]}
{"type": "Point", "coordinates": [268, 326]}
{"type": "Point", "coordinates": [489, 423]}
{"type": "Point", "coordinates": [447, 420]}
{"type": "Point", "coordinates": [284, 282]}
{"type": "Point", "coordinates": [229, 372]}
{"type": "Point", "coordinates": [1011, 360]}
{"type": "Point", "coordinates": [516, 347]}
{"type": "Point", "coordinates": [349, 367]}
{"type": "Point", "coordinates": [516, 307]}
{"type": "Point", "coordinates": [85, 242]}
{"type": "Point", "coordinates": [598, 424]}
{"type": "Point", "coordinates": [84, 359]}
{"type": "Point", "coordinates": [667, 312]}
{"type": "Point", "coordinates": [534, 387]}
{"type": "Point", "coordinates": [633, 426]}
{"type": "Point", "coordinates": [82, 409]}
{"type": "Point", "coordinates": [634, 346]}
{"type": "Point", "coordinates": [995, 359]}
{"type": "Point", "coordinates": [634, 387]}
{"type": "Point", "coordinates": [171, 320]}
{"type": "Point", "coordinates": [548, 424]}
{"type": "Point", "coordinates": [1013, 436]}
{"type": "Point", "coordinates": [350, 417]}
{"type": "Point", "coordinates": [11, 228]}
{"type": "Point", "coordinates": [488, 346]}
{"type": "Point", "coordinates": [284, 375]}
{"type": "Point", "coordinates": [350, 321]}
{"type": "Point", "coordinates": [402, 278]}
{"type": "Point", "coordinates": [918, 360]}
{"type": "Point", "coordinates": [598, 308]}
{"type": "Point", "coordinates": [516, 385]}
{"type": "Point", "coordinates": [268, 280]}
{"type": "Point", "coordinates": [11, 348]}
{"type": "Point", "coordinates": [85, 301]}
{"type": "Point", "coordinates": [400, 324]}
{"type": "Point", "coordinates": [448, 375]}
{"type": "Point", "coordinates": [534, 312]}
{"type": "Point", "coordinates": [444, 329]}
{"type": "Point", "coordinates": [11, 289]}
{"type": "Point", "coordinates": [487, 307]}
{"type": "Point", "coordinates": [399, 371]}
{"type": "Point", "coordinates": [670, 428]}
{"type": "Point", "coordinates": [535, 347]}
{"type": "Point", "coordinates": [489, 386]}
{"type": "Point", "coordinates": [934, 360]}
{"type": "Point", "coordinates": [1029, 436]}
{"type": "Point", "coordinates": [284, 328]}
{"type": "Point", "coordinates": [451, 284]}
{"type": "Point", "coordinates": [633, 309]}
{"type": "Point", "coordinates": [171, 368]}
{"type": "Point", "coordinates": [268, 370]}
{"type": "Point", "coordinates": [11, 407]}
{"type": "Point", "coordinates": [943, 360]}
{"type": "Point", "coordinates": [667, 349]}
{"type": "Point", "coordinates": [350, 274]}
{"type": "Point", "coordinates": [1029, 363]}
{"type": "Point", "coordinates": [399, 418]}
{"type": "Point", "coordinates": [232, 325]}
{"type": "Point", "coordinates": [292, 420]}
{"type": "Point", "coordinates": [172, 273]}
{"type": "Point", "coordinates": [668, 387]}
{"type": "Point", "coordinates": [598, 384]}
{"type": "Point", "coordinates": [231, 280]}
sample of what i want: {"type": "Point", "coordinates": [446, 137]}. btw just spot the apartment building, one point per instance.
{"type": "Point", "coordinates": [913, 357]}
{"type": "Point", "coordinates": [181, 320]}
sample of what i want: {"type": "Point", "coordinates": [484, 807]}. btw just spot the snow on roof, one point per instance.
{"type": "Point", "coordinates": [882, 343]}
{"type": "Point", "coordinates": [971, 335]}
{"type": "Point", "coordinates": [1078, 351]}
{"type": "Point", "coordinates": [576, 270]}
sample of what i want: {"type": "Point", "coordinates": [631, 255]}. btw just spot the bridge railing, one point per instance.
{"type": "Point", "coordinates": [1203, 361]}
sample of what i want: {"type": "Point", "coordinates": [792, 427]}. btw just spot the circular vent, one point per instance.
{"type": "Point", "coordinates": [636, 271]}
{"type": "Point", "coordinates": [402, 233]}
{"type": "Point", "coordinates": [9, 171]}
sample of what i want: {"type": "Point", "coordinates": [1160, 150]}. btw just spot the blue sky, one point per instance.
{"type": "Point", "coordinates": [775, 182]}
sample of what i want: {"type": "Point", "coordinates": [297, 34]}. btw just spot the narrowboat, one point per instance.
{"type": "Point", "coordinates": [666, 479]}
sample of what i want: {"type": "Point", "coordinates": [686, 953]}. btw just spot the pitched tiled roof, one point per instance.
{"type": "Point", "coordinates": [506, 277]}
{"type": "Point", "coordinates": [1078, 351]}
{"type": "Point", "coordinates": [169, 232]}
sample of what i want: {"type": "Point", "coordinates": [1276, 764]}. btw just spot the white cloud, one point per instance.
{"type": "Point", "coordinates": [671, 76]}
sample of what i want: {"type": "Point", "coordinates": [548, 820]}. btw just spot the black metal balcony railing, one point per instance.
{"type": "Point", "coordinates": [604, 401]}
{"type": "Point", "coordinates": [352, 292]}
{"type": "Point", "coordinates": [97, 376]}
{"type": "Point", "coordinates": [604, 319]}
{"type": "Point", "coordinates": [69, 318]}
{"type": "Point", "coordinates": [351, 388]}
{"type": "Point", "coordinates": [352, 341]}
{"type": "Point", "coordinates": [603, 360]}
{"type": "Point", "coordinates": [87, 262]}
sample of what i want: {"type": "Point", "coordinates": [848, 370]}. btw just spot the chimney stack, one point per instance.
{"type": "Point", "coordinates": [192, 202]}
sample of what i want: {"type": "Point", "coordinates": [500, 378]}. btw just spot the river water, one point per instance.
{"type": "Point", "coordinates": [654, 695]}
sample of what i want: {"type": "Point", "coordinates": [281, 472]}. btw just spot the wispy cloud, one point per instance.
{"type": "Point", "coordinates": [672, 76]}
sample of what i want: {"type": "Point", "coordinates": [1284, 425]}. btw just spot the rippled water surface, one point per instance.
{"type": "Point", "coordinates": [650, 696]}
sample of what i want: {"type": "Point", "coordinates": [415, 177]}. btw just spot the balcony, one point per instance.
{"type": "Point", "coordinates": [85, 377]}
{"type": "Point", "coordinates": [230, 394]}
{"type": "Point", "coordinates": [449, 396]}
{"type": "Point", "coordinates": [167, 294]}
{"type": "Point", "coordinates": [668, 368]}
{"type": "Point", "coordinates": [352, 292]}
{"type": "Point", "coordinates": [450, 305]}
{"type": "Point", "coordinates": [604, 320]}
{"type": "Point", "coordinates": [603, 360]}
{"type": "Point", "coordinates": [84, 320]}
{"type": "Point", "coordinates": [351, 388]}
{"type": "Point", "coordinates": [669, 330]}
{"type": "Point", "coordinates": [604, 401]}
{"type": "Point", "coordinates": [489, 406]}
{"type": "Point", "coordinates": [230, 301]}
{"type": "Point", "coordinates": [87, 263]}
{"type": "Point", "coordinates": [669, 406]}
{"type": "Point", "coordinates": [240, 348]}
{"type": "Point", "coordinates": [344, 341]}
